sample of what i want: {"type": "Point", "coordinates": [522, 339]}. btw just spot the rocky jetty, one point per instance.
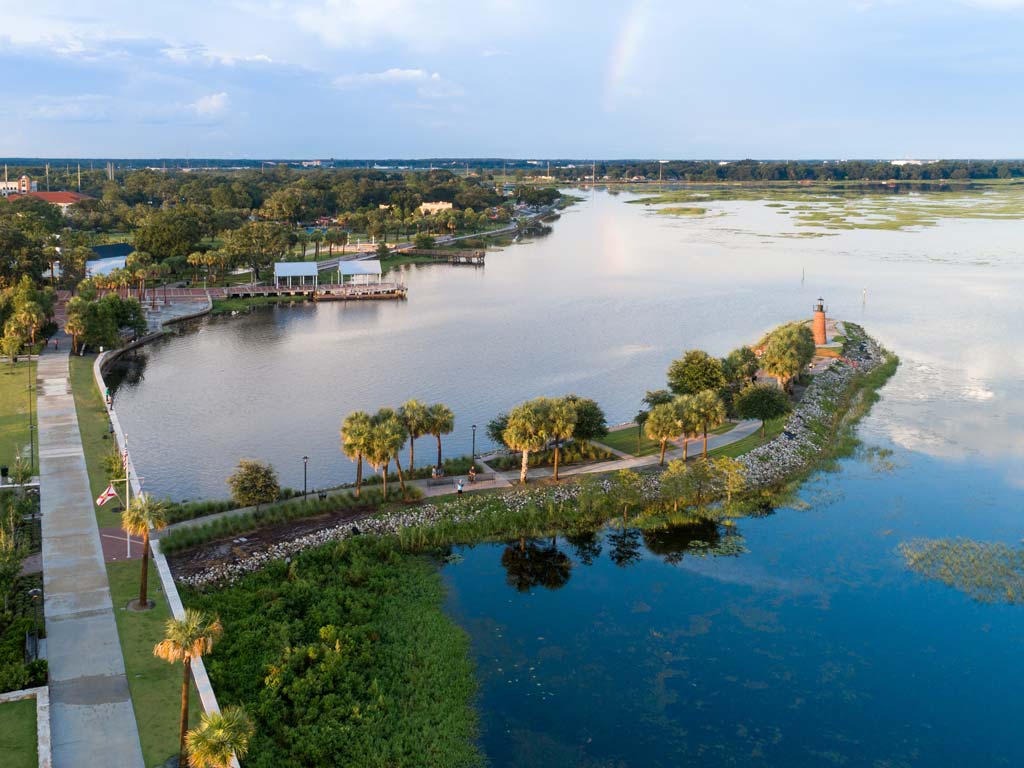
{"type": "Point", "coordinates": [799, 444]}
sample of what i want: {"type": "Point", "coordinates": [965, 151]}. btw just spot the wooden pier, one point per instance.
{"type": "Point", "coordinates": [322, 292]}
{"type": "Point", "coordinates": [475, 258]}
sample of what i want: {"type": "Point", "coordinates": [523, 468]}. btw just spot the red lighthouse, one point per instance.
{"type": "Point", "coordinates": [818, 328]}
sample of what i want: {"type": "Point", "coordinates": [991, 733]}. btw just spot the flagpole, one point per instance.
{"type": "Point", "coordinates": [127, 496]}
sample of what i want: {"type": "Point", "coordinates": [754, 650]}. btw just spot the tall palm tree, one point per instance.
{"type": "Point", "coordinates": [184, 640]}
{"type": "Point", "coordinates": [355, 439]}
{"type": "Point", "coordinates": [219, 737]}
{"type": "Point", "coordinates": [74, 326]}
{"type": "Point", "coordinates": [662, 426]}
{"type": "Point", "coordinates": [527, 430]}
{"type": "Point", "coordinates": [688, 418]}
{"type": "Point", "coordinates": [442, 422]}
{"type": "Point", "coordinates": [387, 438]}
{"type": "Point", "coordinates": [709, 412]}
{"type": "Point", "coordinates": [144, 513]}
{"type": "Point", "coordinates": [561, 424]}
{"type": "Point", "coordinates": [30, 317]}
{"type": "Point", "coordinates": [416, 418]}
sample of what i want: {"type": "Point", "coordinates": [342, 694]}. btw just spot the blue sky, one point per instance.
{"type": "Point", "coordinates": [523, 78]}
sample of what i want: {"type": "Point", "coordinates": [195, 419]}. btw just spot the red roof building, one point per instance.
{"type": "Point", "coordinates": [63, 200]}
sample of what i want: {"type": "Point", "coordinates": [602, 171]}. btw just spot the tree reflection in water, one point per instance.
{"type": "Point", "coordinates": [532, 562]}
{"type": "Point", "coordinates": [624, 546]}
{"type": "Point", "coordinates": [671, 543]}
{"type": "Point", "coordinates": [586, 545]}
{"type": "Point", "coordinates": [529, 564]}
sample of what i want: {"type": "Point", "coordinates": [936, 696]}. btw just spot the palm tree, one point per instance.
{"type": "Point", "coordinates": [709, 412]}
{"type": "Point", "coordinates": [442, 422]}
{"type": "Point", "coordinates": [416, 418]}
{"type": "Point", "coordinates": [184, 640]}
{"type": "Point", "coordinates": [527, 430]}
{"type": "Point", "coordinates": [387, 436]}
{"type": "Point", "coordinates": [30, 317]}
{"type": "Point", "coordinates": [355, 439]}
{"type": "Point", "coordinates": [561, 424]}
{"type": "Point", "coordinates": [662, 425]}
{"type": "Point", "coordinates": [219, 737]}
{"type": "Point", "coordinates": [74, 326]}
{"type": "Point", "coordinates": [687, 417]}
{"type": "Point", "coordinates": [144, 513]}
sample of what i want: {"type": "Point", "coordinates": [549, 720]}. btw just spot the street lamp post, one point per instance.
{"type": "Point", "coordinates": [36, 594]}
{"type": "Point", "coordinates": [31, 432]}
{"type": "Point", "coordinates": [305, 468]}
{"type": "Point", "coordinates": [474, 442]}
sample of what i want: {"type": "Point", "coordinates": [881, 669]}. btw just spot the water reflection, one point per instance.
{"type": "Point", "coordinates": [814, 647]}
{"type": "Point", "coordinates": [529, 563]}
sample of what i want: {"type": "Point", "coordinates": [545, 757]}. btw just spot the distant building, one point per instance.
{"type": "Point", "coordinates": [429, 208]}
{"type": "Point", "coordinates": [62, 200]}
{"type": "Point", "coordinates": [20, 186]}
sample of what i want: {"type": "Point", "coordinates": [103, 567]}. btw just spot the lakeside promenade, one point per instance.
{"type": "Point", "coordinates": [92, 721]}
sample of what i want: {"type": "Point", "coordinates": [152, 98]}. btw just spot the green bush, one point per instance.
{"type": "Point", "coordinates": [346, 657]}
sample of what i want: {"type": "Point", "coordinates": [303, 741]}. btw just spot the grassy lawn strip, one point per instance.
{"type": "Point", "coordinates": [772, 429]}
{"type": "Point", "coordinates": [155, 685]}
{"type": "Point", "coordinates": [93, 424]}
{"type": "Point", "coordinates": [18, 734]}
{"type": "Point", "coordinates": [346, 657]}
{"type": "Point", "coordinates": [14, 437]}
{"type": "Point", "coordinates": [625, 440]}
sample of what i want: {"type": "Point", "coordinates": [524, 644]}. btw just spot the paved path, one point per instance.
{"type": "Point", "coordinates": [694, 448]}
{"type": "Point", "coordinates": [91, 716]}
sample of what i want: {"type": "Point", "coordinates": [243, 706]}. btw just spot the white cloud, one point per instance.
{"type": "Point", "coordinates": [428, 85]}
{"type": "Point", "coordinates": [392, 76]}
{"type": "Point", "coordinates": [182, 54]}
{"type": "Point", "coordinates": [210, 105]}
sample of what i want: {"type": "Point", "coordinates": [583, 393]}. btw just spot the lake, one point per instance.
{"type": "Point", "coordinates": [599, 307]}
{"type": "Point", "coordinates": [815, 646]}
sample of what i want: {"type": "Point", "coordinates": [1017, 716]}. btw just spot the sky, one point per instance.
{"type": "Point", "coordinates": [724, 79]}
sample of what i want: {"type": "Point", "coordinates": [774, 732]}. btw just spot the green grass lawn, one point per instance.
{"type": "Point", "coordinates": [96, 441]}
{"type": "Point", "coordinates": [18, 734]}
{"type": "Point", "coordinates": [14, 436]}
{"type": "Point", "coordinates": [625, 440]}
{"type": "Point", "coordinates": [750, 442]}
{"type": "Point", "coordinates": [155, 685]}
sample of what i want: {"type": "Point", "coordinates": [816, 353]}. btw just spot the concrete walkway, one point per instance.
{"type": "Point", "coordinates": [695, 446]}
{"type": "Point", "coordinates": [91, 717]}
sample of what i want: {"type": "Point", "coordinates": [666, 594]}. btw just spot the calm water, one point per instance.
{"type": "Point", "coordinates": [599, 308]}
{"type": "Point", "coordinates": [816, 646]}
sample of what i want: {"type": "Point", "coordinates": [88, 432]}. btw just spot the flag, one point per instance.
{"type": "Point", "coordinates": [106, 496]}
{"type": "Point", "coordinates": [124, 459]}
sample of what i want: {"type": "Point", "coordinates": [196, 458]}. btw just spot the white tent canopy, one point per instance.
{"type": "Point", "coordinates": [371, 267]}
{"type": "Point", "coordinates": [291, 269]}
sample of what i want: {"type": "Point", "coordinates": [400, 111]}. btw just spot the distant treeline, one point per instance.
{"type": "Point", "coordinates": [63, 172]}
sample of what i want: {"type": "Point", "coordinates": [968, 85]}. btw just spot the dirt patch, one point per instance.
{"type": "Point", "coordinates": [243, 545]}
